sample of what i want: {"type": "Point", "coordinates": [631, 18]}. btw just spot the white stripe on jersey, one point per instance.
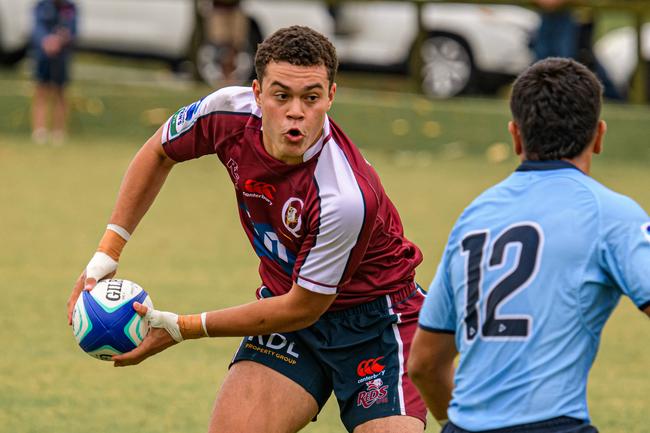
{"type": "Point", "coordinates": [342, 212]}
{"type": "Point", "coordinates": [400, 354]}
{"type": "Point", "coordinates": [228, 99]}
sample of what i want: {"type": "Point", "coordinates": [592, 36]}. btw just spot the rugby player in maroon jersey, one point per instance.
{"type": "Point", "coordinates": [337, 305]}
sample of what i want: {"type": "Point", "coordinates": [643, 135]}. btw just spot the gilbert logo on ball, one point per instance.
{"type": "Point", "coordinates": [104, 322]}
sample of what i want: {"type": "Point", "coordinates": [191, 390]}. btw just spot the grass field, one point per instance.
{"type": "Point", "coordinates": [189, 253]}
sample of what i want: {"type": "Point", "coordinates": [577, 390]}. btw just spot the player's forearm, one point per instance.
{"type": "Point", "coordinates": [431, 368]}
{"type": "Point", "coordinates": [435, 388]}
{"type": "Point", "coordinates": [257, 318]}
{"type": "Point", "coordinates": [297, 309]}
{"type": "Point", "coordinates": [141, 184]}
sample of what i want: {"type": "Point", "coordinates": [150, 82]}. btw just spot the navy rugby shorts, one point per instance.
{"type": "Point", "coordinates": [359, 353]}
{"type": "Point", "coordinates": [561, 424]}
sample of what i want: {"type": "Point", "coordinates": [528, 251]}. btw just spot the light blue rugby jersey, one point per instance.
{"type": "Point", "coordinates": [532, 270]}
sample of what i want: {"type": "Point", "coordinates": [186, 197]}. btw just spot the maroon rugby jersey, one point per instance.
{"type": "Point", "coordinates": [325, 223]}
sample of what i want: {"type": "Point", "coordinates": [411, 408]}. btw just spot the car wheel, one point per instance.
{"type": "Point", "coordinates": [12, 58]}
{"type": "Point", "coordinates": [447, 67]}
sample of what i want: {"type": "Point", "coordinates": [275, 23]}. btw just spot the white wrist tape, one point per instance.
{"type": "Point", "coordinates": [165, 320]}
{"type": "Point", "coordinates": [100, 265]}
{"type": "Point", "coordinates": [205, 329]}
{"type": "Point", "coordinates": [120, 231]}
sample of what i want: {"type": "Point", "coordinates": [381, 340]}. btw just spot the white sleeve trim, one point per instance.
{"type": "Point", "coordinates": [317, 288]}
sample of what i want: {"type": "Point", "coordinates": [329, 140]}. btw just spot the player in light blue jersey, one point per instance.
{"type": "Point", "coordinates": [532, 270]}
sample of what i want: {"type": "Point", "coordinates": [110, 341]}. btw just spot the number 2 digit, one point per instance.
{"type": "Point", "coordinates": [528, 237]}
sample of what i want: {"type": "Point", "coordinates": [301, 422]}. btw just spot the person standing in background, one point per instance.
{"type": "Point", "coordinates": [226, 26]}
{"type": "Point", "coordinates": [54, 30]}
{"type": "Point", "coordinates": [568, 33]}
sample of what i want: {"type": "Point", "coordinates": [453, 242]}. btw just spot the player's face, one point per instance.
{"type": "Point", "coordinates": [294, 101]}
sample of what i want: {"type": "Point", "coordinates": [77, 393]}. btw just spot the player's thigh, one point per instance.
{"type": "Point", "coordinates": [391, 424]}
{"type": "Point", "coordinates": [255, 398]}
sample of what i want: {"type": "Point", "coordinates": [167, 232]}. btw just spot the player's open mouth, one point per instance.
{"type": "Point", "coordinates": [294, 135]}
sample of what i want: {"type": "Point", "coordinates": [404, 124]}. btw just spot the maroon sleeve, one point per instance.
{"type": "Point", "coordinates": [201, 127]}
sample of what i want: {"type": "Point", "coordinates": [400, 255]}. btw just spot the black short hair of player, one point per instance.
{"type": "Point", "coordinates": [556, 104]}
{"type": "Point", "coordinates": [297, 45]}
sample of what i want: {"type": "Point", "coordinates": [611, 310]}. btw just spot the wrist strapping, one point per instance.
{"type": "Point", "coordinates": [120, 231]}
{"type": "Point", "coordinates": [192, 326]}
{"type": "Point", "coordinates": [113, 241]}
{"type": "Point", "coordinates": [100, 265]}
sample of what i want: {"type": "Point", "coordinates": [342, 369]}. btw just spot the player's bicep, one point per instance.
{"type": "Point", "coordinates": [432, 349]}
{"type": "Point", "coordinates": [154, 145]}
{"type": "Point", "coordinates": [308, 304]}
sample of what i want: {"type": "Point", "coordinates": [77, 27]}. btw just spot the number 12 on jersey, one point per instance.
{"type": "Point", "coordinates": [527, 238]}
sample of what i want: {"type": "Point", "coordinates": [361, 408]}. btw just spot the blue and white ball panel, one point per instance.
{"type": "Point", "coordinates": [104, 321]}
{"type": "Point", "coordinates": [81, 324]}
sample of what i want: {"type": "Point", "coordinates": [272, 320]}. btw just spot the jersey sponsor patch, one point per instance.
{"type": "Point", "coordinates": [645, 228]}
{"type": "Point", "coordinates": [183, 119]}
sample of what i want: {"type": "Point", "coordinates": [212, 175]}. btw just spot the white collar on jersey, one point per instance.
{"type": "Point", "coordinates": [324, 138]}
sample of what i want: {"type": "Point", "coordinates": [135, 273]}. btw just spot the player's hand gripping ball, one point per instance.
{"type": "Point", "coordinates": [104, 322]}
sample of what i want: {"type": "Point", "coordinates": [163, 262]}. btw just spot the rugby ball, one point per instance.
{"type": "Point", "coordinates": [104, 322]}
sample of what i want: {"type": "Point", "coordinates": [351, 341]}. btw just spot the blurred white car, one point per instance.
{"type": "Point", "coordinates": [465, 47]}
{"type": "Point", "coordinates": [152, 28]}
{"type": "Point", "coordinates": [617, 52]}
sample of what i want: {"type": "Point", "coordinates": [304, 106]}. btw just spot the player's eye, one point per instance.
{"type": "Point", "coordinates": [281, 96]}
{"type": "Point", "coordinates": [312, 98]}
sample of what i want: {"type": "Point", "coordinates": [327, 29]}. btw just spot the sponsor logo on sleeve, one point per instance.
{"type": "Point", "coordinates": [291, 215]}
{"type": "Point", "coordinates": [183, 119]}
{"type": "Point", "coordinates": [645, 228]}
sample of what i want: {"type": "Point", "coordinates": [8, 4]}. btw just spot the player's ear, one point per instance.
{"type": "Point", "coordinates": [601, 129]}
{"type": "Point", "coordinates": [330, 95]}
{"type": "Point", "coordinates": [513, 129]}
{"type": "Point", "coordinates": [257, 91]}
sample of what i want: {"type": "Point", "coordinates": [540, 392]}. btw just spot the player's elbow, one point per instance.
{"type": "Point", "coordinates": [419, 369]}
{"type": "Point", "coordinates": [305, 318]}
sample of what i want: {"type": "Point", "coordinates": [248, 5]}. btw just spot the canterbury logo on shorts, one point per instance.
{"type": "Point", "coordinates": [370, 366]}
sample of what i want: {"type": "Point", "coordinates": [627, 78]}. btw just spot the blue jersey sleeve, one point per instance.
{"type": "Point", "coordinates": [40, 28]}
{"type": "Point", "coordinates": [438, 313]}
{"type": "Point", "coordinates": [625, 251]}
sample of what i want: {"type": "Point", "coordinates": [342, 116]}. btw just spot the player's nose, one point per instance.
{"type": "Point", "coordinates": [295, 109]}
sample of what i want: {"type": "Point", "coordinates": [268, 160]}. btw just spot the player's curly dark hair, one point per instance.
{"type": "Point", "coordinates": [297, 45]}
{"type": "Point", "coordinates": [556, 104]}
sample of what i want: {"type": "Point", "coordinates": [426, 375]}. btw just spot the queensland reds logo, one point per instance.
{"type": "Point", "coordinates": [292, 215]}
{"type": "Point", "coordinates": [375, 392]}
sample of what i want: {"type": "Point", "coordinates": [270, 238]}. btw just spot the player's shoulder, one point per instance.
{"type": "Point", "coordinates": [612, 204]}
{"type": "Point", "coordinates": [341, 188]}
{"type": "Point", "coordinates": [229, 100]}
